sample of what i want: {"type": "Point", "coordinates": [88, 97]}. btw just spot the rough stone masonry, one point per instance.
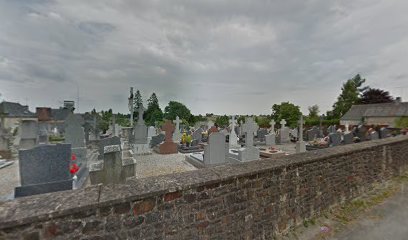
{"type": "Point", "coordinates": [253, 200]}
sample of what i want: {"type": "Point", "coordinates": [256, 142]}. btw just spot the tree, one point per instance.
{"type": "Point", "coordinates": [288, 111]}
{"type": "Point", "coordinates": [373, 95]}
{"type": "Point", "coordinates": [174, 109]}
{"type": "Point", "coordinates": [263, 122]}
{"type": "Point", "coordinates": [222, 121]}
{"type": "Point", "coordinates": [350, 95]}
{"type": "Point", "coordinates": [137, 100]}
{"type": "Point", "coordinates": [153, 112]}
{"type": "Point", "coordinates": [313, 112]}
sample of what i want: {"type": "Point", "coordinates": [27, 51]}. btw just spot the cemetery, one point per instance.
{"type": "Point", "coordinates": [204, 120]}
{"type": "Point", "coordinates": [42, 158]}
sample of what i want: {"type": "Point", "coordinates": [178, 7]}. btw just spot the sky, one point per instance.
{"type": "Point", "coordinates": [215, 56]}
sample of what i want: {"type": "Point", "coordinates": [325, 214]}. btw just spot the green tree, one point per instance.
{"type": "Point", "coordinates": [263, 122]}
{"type": "Point", "coordinates": [373, 95]}
{"type": "Point", "coordinates": [313, 111]}
{"type": "Point", "coordinates": [153, 112]}
{"type": "Point", "coordinates": [222, 121]}
{"type": "Point", "coordinates": [174, 109]}
{"type": "Point", "coordinates": [288, 111]}
{"type": "Point", "coordinates": [350, 95]}
{"type": "Point", "coordinates": [138, 101]}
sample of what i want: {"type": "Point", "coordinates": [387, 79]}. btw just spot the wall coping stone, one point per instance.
{"type": "Point", "coordinates": [48, 206]}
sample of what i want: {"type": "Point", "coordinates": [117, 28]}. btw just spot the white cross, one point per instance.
{"type": "Point", "coordinates": [283, 122]}
{"type": "Point", "coordinates": [249, 128]}
{"type": "Point", "coordinates": [272, 126]}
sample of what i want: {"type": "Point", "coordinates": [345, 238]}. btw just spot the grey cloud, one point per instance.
{"type": "Point", "coordinates": [233, 57]}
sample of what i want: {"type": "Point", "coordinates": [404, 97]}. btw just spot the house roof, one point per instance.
{"type": "Point", "coordinates": [11, 109]}
{"type": "Point", "coordinates": [357, 112]}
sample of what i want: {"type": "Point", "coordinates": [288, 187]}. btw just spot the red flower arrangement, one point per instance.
{"type": "Point", "coordinates": [74, 167]}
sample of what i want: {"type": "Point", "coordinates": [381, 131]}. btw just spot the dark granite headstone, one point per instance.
{"type": "Point", "coordinates": [348, 138]}
{"type": "Point", "coordinates": [384, 133]}
{"type": "Point", "coordinates": [261, 133]}
{"type": "Point", "coordinates": [43, 169]}
{"type": "Point", "coordinates": [156, 140]}
{"type": "Point", "coordinates": [334, 139]}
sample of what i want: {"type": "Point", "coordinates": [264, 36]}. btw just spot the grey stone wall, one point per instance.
{"type": "Point", "coordinates": [254, 200]}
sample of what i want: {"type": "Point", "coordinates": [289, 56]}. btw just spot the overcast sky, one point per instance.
{"type": "Point", "coordinates": [224, 57]}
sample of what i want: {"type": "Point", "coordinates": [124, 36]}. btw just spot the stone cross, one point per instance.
{"type": "Point", "coordinates": [232, 121]}
{"type": "Point", "coordinates": [140, 111]}
{"type": "Point", "coordinates": [168, 127]}
{"type": "Point", "coordinates": [249, 128]}
{"type": "Point", "coordinates": [283, 122]}
{"type": "Point", "coordinates": [272, 126]}
{"type": "Point", "coordinates": [301, 122]}
{"type": "Point", "coordinates": [131, 107]}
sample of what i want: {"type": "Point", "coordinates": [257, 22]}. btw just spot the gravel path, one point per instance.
{"type": "Point", "coordinates": [157, 164]}
{"type": "Point", "coordinates": [9, 179]}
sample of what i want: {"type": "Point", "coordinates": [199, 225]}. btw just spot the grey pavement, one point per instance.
{"type": "Point", "coordinates": [387, 221]}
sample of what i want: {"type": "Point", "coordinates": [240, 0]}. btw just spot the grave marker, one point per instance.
{"type": "Point", "coordinates": [113, 169]}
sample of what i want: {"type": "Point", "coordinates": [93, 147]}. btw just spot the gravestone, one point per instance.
{"type": "Point", "coordinates": [233, 138]}
{"type": "Point", "coordinates": [43, 133]}
{"type": "Point", "coordinates": [151, 131]}
{"type": "Point", "coordinates": [141, 145]}
{"type": "Point", "coordinates": [177, 134]}
{"type": "Point", "coordinates": [168, 146]}
{"type": "Point", "coordinates": [384, 133]}
{"type": "Point", "coordinates": [300, 144]}
{"type": "Point", "coordinates": [361, 132]}
{"type": "Point", "coordinates": [113, 169]}
{"type": "Point", "coordinates": [75, 135]}
{"type": "Point", "coordinates": [127, 135]}
{"type": "Point", "coordinates": [294, 133]}
{"type": "Point", "coordinates": [348, 138]}
{"type": "Point", "coordinates": [270, 139]}
{"type": "Point", "coordinates": [140, 129]}
{"type": "Point", "coordinates": [374, 135]}
{"type": "Point", "coordinates": [102, 143]}
{"type": "Point", "coordinates": [261, 133]}
{"type": "Point", "coordinates": [197, 136]}
{"type": "Point", "coordinates": [156, 140]}
{"type": "Point", "coordinates": [284, 132]}
{"type": "Point", "coordinates": [312, 133]}
{"type": "Point", "coordinates": [74, 132]}
{"type": "Point", "coordinates": [332, 129]}
{"type": "Point", "coordinates": [334, 139]}
{"type": "Point", "coordinates": [44, 169]}
{"type": "Point", "coordinates": [29, 134]}
{"type": "Point", "coordinates": [215, 151]}
{"type": "Point", "coordinates": [249, 152]}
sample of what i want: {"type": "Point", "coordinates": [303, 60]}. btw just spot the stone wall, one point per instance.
{"type": "Point", "coordinates": [255, 200]}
